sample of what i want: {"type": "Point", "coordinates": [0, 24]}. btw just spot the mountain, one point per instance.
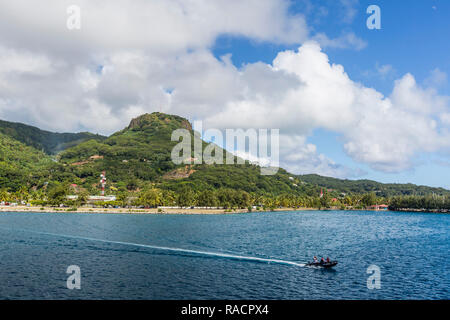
{"type": "Point", "coordinates": [48, 142]}
{"type": "Point", "coordinates": [139, 156]}
{"type": "Point", "coordinates": [142, 153]}
{"type": "Point", "coordinates": [366, 186]}
{"type": "Point", "coordinates": [139, 152]}
{"type": "Point", "coordinates": [19, 163]}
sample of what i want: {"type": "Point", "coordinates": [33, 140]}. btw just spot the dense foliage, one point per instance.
{"type": "Point", "coordinates": [364, 186]}
{"type": "Point", "coordinates": [140, 172]}
{"type": "Point", "coordinates": [429, 202]}
{"type": "Point", "coordinates": [20, 165]}
{"type": "Point", "coordinates": [48, 142]}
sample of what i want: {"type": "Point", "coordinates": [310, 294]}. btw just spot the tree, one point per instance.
{"type": "Point", "coordinates": [185, 197]}
{"type": "Point", "coordinates": [325, 201]}
{"type": "Point", "coordinates": [369, 199]}
{"type": "Point", "coordinates": [169, 198]}
{"type": "Point", "coordinates": [244, 199]}
{"type": "Point", "coordinates": [22, 194]}
{"type": "Point", "coordinates": [132, 184]}
{"type": "Point", "coordinates": [83, 196]}
{"type": "Point", "coordinates": [207, 198]}
{"type": "Point", "coordinates": [123, 197]}
{"type": "Point", "coordinates": [58, 194]}
{"type": "Point", "coordinates": [4, 195]}
{"type": "Point", "coordinates": [150, 198]}
{"type": "Point", "coordinates": [227, 198]}
{"type": "Point", "coordinates": [38, 195]}
{"type": "Point", "coordinates": [348, 201]}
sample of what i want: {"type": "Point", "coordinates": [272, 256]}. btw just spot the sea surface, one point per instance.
{"type": "Point", "coordinates": [233, 256]}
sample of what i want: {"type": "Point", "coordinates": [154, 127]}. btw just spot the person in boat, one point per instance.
{"type": "Point", "coordinates": [315, 259]}
{"type": "Point", "coordinates": [322, 261]}
{"type": "Point", "coordinates": [328, 259]}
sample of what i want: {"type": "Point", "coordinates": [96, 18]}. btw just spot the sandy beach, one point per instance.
{"type": "Point", "coordinates": [134, 210]}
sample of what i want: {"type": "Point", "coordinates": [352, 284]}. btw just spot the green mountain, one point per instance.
{"type": "Point", "coordinates": [49, 142]}
{"type": "Point", "coordinates": [139, 156]}
{"type": "Point", "coordinates": [139, 152]}
{"type": "Point", "coordinates": [142, 153]}
{"type": "Point", "coordinates": [20, 164]}
{"type": "Point", "coordinates": [367, 186]}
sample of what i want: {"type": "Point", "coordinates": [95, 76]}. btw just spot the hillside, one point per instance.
{"type": "Point", "coordinates": [139, 157]}
{"type": "Point", "coordinates": [20, 164]}
{"type": "Point", "coordinates": [141, 153]}
{"type": "Point", "coordinates": [366, 186]}
{"type": "Point", "coordinates": [48, 142]}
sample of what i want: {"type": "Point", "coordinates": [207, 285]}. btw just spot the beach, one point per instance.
{"type": "Point", "coordinates": [135, 210]}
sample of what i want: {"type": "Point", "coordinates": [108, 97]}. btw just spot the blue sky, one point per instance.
{"type": "Point", "coordinates": [414, 38]}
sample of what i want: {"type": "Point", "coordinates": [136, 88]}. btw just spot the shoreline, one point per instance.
{"type": "Point", "coordinates": [187, 211]}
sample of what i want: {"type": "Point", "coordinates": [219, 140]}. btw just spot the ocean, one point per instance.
{"type": "Point", "coordinates": [233, 256]}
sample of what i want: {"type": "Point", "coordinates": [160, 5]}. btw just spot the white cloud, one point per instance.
{"type": "Point", "coordinates": [384, 70]}
{"type": "Point", "coordinates": [445, 118]}
{"type": "Point", "coordinates": [22, 62]}
{"type": "Point", "coordinates": [160, 61]}
{"type": "Point", "coordinates": [162, 27]}
{"type": "Point", "coordinates": [349, 8]}
{"type": "Point", "coordinates": [407, 95]}
{"type": "Point", "coordinates": [345, 41]}
{"type": "Point", "coordinates": [436, 78]}
{"type": "Point", "coordinates": [384, 132]}
{"type": "Point", "coordinates": [301, 157]}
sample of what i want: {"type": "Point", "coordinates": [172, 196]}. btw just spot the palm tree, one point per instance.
{"type": "Point", "coordinates": [151, 198]}
{"type": "Point", "coordinates": [4, 195]}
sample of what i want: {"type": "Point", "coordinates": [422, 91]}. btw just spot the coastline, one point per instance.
{"type": "Point", "coordinates": [195, 211]}
{"type": "Point", "coordinates": [187, 211]}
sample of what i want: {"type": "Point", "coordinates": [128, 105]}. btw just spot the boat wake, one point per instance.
{"type": "Point", "coordinates": [178, 250]}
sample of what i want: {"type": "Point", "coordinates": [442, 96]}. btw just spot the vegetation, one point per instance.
{"type": "Point", "coordinates": [20, 165]}
{"type": "Point", "coordinates": [367, 186]}
{"type": "Point", "coordinates": [422, 203]}
{"type": "Point", "coordinates": [48, 142]}
{"type": "Point", "coordinates": [140, 172]}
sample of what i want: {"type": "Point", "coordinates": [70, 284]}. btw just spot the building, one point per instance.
{"type": "Point", "coordinates": [102, 198]}
{"type": "Point", "coordinates": [94, 198]}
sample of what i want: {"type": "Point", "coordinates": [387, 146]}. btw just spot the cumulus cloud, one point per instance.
{"type": "Point", "coordinates": [18, 62]}
{"type": "Point", "coordinates": [124, 57]}
{"type": "Point", "coordinates": [162, 27]}
{"type": "Point", "coordinates": [157, 57]}
{"type": "Point", "coordinates": [302, 157]}
{"type": "Point", "coordinates": [383, 132]}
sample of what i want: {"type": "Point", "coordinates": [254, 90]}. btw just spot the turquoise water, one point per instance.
{"type": "Point", "coordinates": [236, 256]}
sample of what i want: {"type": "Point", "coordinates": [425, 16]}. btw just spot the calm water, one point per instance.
{"type": "Point", "coordinates": [411, 250]}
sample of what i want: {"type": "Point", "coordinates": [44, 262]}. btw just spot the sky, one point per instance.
{"type": "Point", "coordinates": [349, 101]}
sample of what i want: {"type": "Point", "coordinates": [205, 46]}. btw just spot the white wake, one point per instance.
{"type": "Point", "coordinates": [195, 252]}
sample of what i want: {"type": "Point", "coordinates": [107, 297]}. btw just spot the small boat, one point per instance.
{"type": "Point", "coordinates": [325, 264]}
